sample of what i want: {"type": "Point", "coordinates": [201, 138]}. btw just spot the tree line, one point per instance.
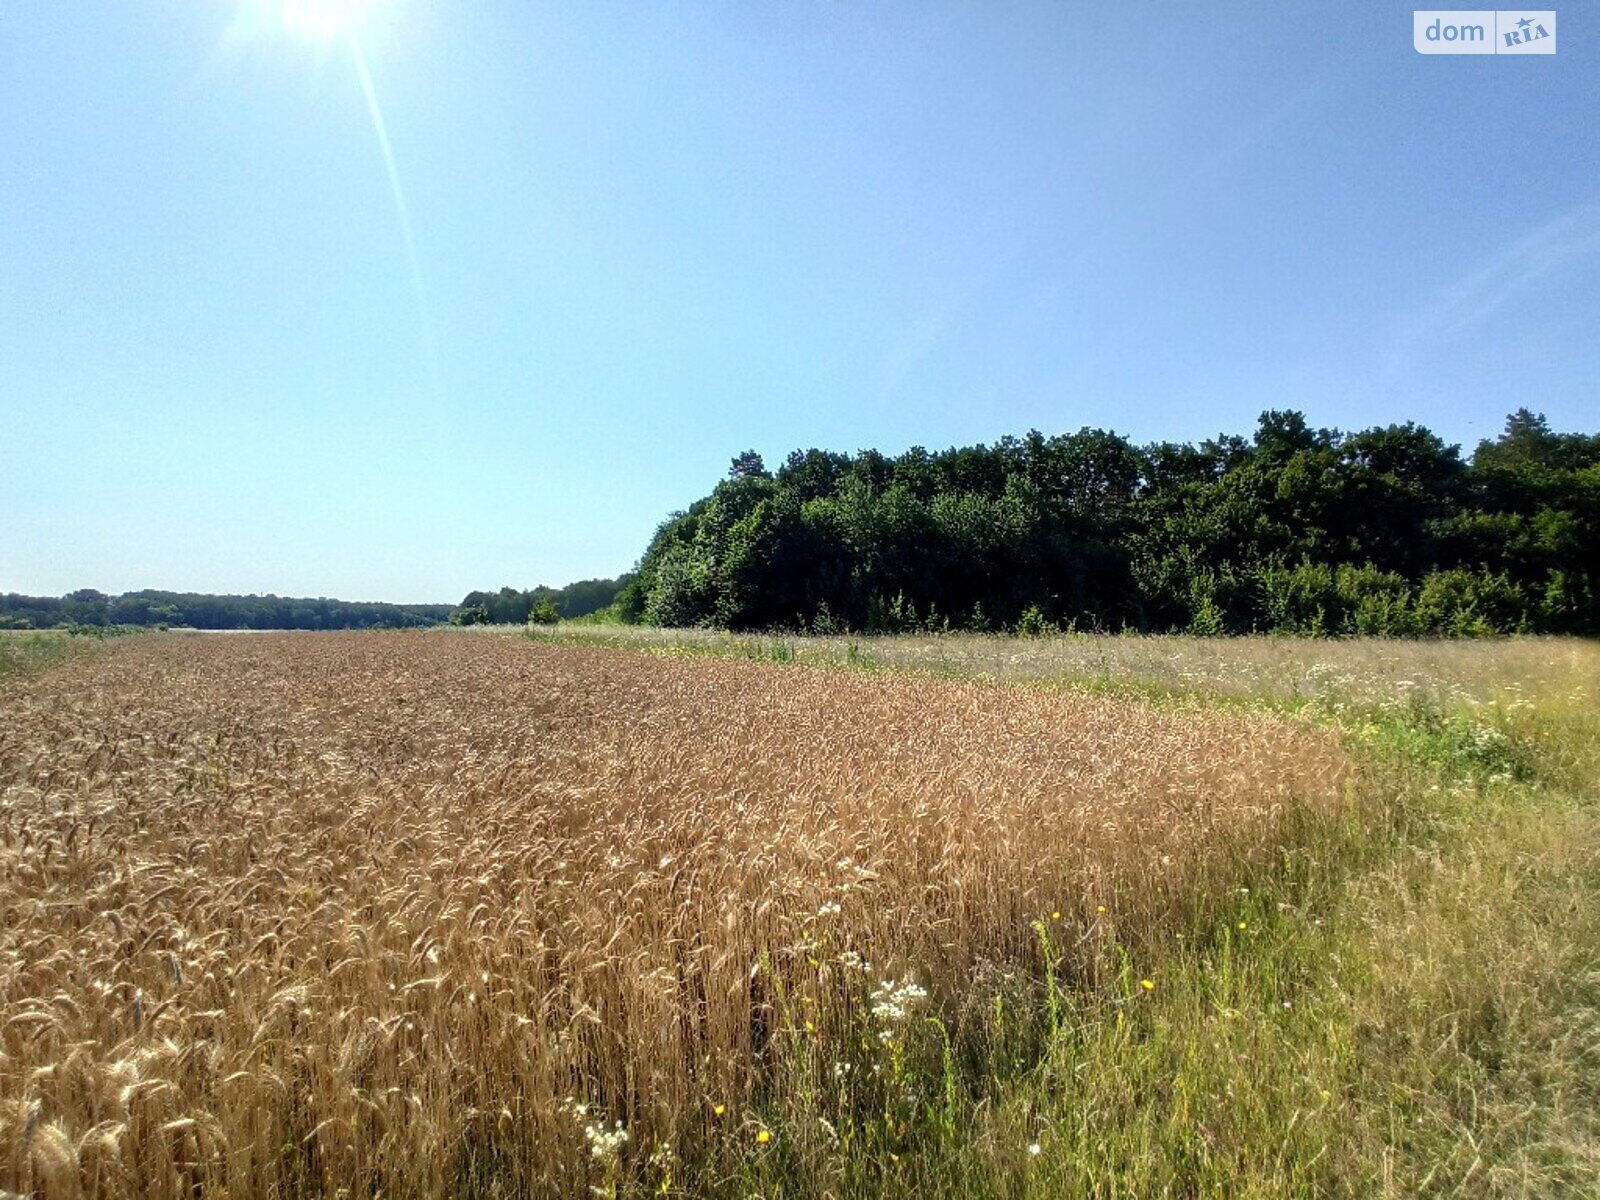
{"type": "Point", "coordinates": [194, 610]}
{"type": "Point", "coordinates": [198, 610]}
{"type": "Point", "coordinates": [1295, 529]}
{"type": "Point", "coordinates": [542, 604]}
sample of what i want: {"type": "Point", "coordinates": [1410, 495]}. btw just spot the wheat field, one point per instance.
{"type": "Point", "coordinates": [419, 915]}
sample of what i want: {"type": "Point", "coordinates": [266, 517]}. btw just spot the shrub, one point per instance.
{"type": "Point", "coordinates": [1374, 602]}
{"type": "Point", "coordinates": [1463, 603]}
{"type": "Point", "coordinates": [1034, 623]}
{"type": "Point", "coordinates": [1301, 599]}
{"type": "Point", "coordinates": [891, 616]}
{"type": "Point", "coordinates": [978, 620]}
{"type": "Point", "coordinates": [470, 614]}
{"type": "Point", "coordinates": [825, 624]}
{"type": "Point", "coordinates": [683, 593]}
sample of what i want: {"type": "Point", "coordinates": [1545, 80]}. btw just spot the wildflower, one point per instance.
{"type": "Point", "coordinates": [764, 1136]}
{"type": "Point", "coordinates": [829, 908]}
{"type": "Point", "coordinates": [1148, 985]}
{"type": "Point", "coordinates": [893, 1001]}
{"type": "Point", "coordinates": [662, 1156]}
{"type": "Point", "coordinates": [719, 1109]}
{"type": "Point", "coordinates": [1100, 908]}
{"type": "Point", "coordinates": [1243, 925]}
{"type": "Point", "coordinates": [1056, 916]}
{"type": "Point", "coordinates": [1035, 1149]}
{"type": "Point", "coordinates": [605, 1144]}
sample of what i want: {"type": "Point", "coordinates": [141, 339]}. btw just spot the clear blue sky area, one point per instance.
{"type": "Point", "coordinates": [622, 242]}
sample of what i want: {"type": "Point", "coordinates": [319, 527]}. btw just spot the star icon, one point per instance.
{"type": "Point", "coordinates": [1524, 23]}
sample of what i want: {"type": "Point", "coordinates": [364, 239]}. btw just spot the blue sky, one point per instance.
{"type": "Point", "coordinates": [648, 236]}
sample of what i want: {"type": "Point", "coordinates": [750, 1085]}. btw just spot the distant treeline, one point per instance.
{"type": "Point", "coordinates": [200, 611]}
{"type": "Point", "coordinates": [511, 607]}
{"type": "Point", "coordinates": [1295, 529]}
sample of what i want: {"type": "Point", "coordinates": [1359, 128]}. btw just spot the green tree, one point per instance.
{"type": "Point", "coordinates": [470, 614]}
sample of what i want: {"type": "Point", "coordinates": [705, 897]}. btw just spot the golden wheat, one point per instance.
{"type": "Point", "coordinates": [304, 914]}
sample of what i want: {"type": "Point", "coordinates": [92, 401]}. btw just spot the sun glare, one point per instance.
{"type": "Point", "coordinates": [325, 18]}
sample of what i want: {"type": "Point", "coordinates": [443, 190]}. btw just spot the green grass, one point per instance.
{"type": "Point", "coordinates": [23, 652]}
{"type": "Point", "coordinates": [1407, 1004]}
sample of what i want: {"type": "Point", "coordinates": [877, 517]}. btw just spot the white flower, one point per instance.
{"type": "Point", "coordinates": [893, 1001]}
{"type": "Point", "coordinates": [605, 1143]}
{"type": "Point", "coordinates": [1035, 1149]}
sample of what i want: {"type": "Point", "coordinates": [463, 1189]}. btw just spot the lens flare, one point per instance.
{"type": "Point", "coordinates": [403, 213]}
{"type": "Point", "coordinates": [325, 18]}
{"type": "Point", "coordinates": [336, 27]}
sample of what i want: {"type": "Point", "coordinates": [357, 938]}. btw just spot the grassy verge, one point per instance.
{"type": "Point", "coordinates": [23, 652]}
{"type": "Point", "coordinates": [1413, 1011]}
{"type": "Point", "coordinates": [1408, 1004]}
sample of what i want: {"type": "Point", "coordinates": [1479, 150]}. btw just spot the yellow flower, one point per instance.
{"type": "Point", "coordinates": [1244, 924]}
{"type": "Point", "coordinates": [1056, 916]}
{"type": "Point", "coordinates": [1148, 985]}
{"type": "Point", "coordinates": [764, 1137]}
{"type": "Point", "coordinates": [1100, 908]}
{"type": "Point", "coordinates": [720, 1109]}
{"type": "Point", "coordinates": [810, 1028]}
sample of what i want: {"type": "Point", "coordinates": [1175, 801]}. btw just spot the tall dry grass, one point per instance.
{"type": "Point", "coordinates": [1356, 670]}
{"type": "Point", "coordinates": [373, 914]}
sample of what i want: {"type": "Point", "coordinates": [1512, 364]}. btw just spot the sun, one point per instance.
{"type": "Point", "coordinates": [325, 18]}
